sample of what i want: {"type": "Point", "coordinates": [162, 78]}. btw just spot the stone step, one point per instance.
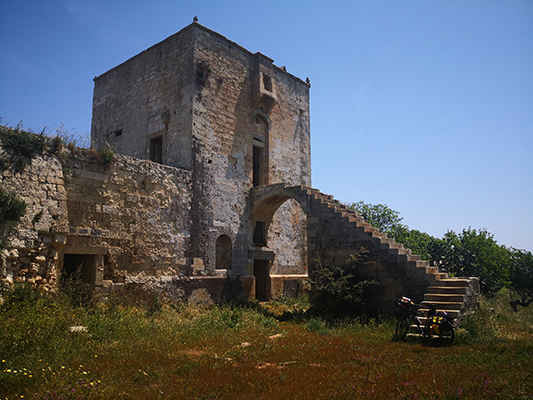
{"type": "Point", "coordinates": [442, 297]}
{"type": "Point", "coordinates": [445, 305]}
{"type": "Point", "coordinates": [455, 282]}
{"type": "Point", "coordinates": [447, 289]}
{"type": "Point", "coordinates": [447, 294]}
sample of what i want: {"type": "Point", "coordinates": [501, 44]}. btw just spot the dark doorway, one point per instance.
{"type": "Point", "coordinates": [223, 252]}
{"type": "Point", "coordinates": [85, 263]}
{"type": "Point", "coordinates": [262, 279]}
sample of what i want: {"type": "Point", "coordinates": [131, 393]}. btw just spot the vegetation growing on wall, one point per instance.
{"type": "Point", "coordinates": [471, 252]}
{"type": "Point", "coordinates": [23, 145]}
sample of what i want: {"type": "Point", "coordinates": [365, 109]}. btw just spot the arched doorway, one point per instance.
{"type": "Point", "coordinates": [280, 242]}
{"type": "Point", "coordinates": [287, 238]}
{"type": "Point", "coordinates": [223, 252]}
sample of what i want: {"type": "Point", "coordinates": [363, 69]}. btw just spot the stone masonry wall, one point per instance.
{"type": "Point", "coordinates": [135, 213]}
{"type": "Point", "coordinates": [33, 246]}
{"type": "Point", "coordinates": [127, 225]}
{"type": "Point", "coordinates": [225, 107]}
{"type": "Point", "coordinates": [209, 99]}
{"type": "Point", "coordinates": [148, 96]}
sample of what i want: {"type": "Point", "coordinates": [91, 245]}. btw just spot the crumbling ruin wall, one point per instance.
{"type": "Point", "coordinates": [210, 102]}
{"type": "Point", "coordinates": [33, 247]}
{"type": "Point", "coordinates": [134, 213]}
{"type": "Point", "coordinates": [126, 225]}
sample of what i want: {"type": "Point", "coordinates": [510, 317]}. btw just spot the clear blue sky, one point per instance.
{"type": "Point", "coordinates": [426, 106]}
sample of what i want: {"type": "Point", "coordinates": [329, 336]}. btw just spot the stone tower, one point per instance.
{"type": "Point", "coordinates": [199, 102]}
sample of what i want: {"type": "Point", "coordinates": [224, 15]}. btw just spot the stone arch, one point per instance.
{"type": "Point", "coordinates": [223, 259]}
{"type": "Point", "coordinates": [287, 238]}
{"type": "Point", "coordinates": [267, 200]}
{"type": "Point", "coordinates": [281, 262]}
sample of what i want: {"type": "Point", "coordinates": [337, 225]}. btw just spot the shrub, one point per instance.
{"type": "Point", "coordinates": [521, 277]}
{"type": "Point", "coordinates": [78, 292]}
{"type": "Point", "coordinates": [11, 210]}
{"type": "Point", "coordinates": [22, 143]}
{"type": "Point", "coordinates": [343, 291]}
{"type": "Point", "coordinates": [106, 154]}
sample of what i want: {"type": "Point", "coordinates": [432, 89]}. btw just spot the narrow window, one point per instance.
{"type": "Point", "coordinates": [156, 149]}
{"type": "Point", "coordinates": [257, 161]}
{"type": "Point", "coordinates": [267, 83]}
{"type": "Point", "coordinates": [259, 234]}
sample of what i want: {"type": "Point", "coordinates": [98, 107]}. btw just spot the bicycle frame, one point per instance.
{"type": "Point", "coordinates": [437, 323]}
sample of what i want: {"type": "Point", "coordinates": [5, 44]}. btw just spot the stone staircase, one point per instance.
{"type": "Point", "coordinates": [455, 296]}
{"type": "Point", "coordinates": [334, 228]}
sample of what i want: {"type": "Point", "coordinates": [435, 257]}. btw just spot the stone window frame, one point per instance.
{"type": "Point", "coordinates": [150, 140]}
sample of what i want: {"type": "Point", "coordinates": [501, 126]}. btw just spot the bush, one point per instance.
{"type": "Point", "coordinates": [78, 292]}
{"type": "Point", "coordinates": [22, 143]}
{"type": "Point", "coordinates": [343, 291]}
{"type": "Point", "coordinates": [11, 210]}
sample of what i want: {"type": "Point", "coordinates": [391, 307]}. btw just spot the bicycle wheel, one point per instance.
{"type": "Point", "coordinates": [402, 326]}
{"type": "Point", "coordinates": [448, 336]}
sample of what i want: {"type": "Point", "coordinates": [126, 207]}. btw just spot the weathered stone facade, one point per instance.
{"type": "Point", "coordinates": [34, 247]}
{"type": "Point", "coordinates": [208, 195]}
{"type": "Point", "coordinates": [200, 102]}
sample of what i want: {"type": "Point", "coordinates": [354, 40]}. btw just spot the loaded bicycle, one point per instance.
{"type": "Point", "coordinates": [437, 323]}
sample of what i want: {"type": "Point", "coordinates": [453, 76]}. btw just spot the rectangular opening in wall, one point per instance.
{"type": "Point", "coordinates": [259, 234]}
{"type": "Point", "coordinates": [262, 280]}
{"type": "Point", "coordinates": [156, 149]}
{"type": "Point", "coordinates": [257, 161]}
{"type": "Point", "coordinates": [267, 83]}
{"type": "Point", "coordinates": [82, 266]}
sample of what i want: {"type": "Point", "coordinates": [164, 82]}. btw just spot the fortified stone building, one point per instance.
{"type": "Point", "coordinates": [234, 120]}
{"type": "Point", "coordinates": [208, 196]}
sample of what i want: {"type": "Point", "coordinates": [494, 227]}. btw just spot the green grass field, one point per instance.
{"type": "Point", "coordinates": [255, 351]}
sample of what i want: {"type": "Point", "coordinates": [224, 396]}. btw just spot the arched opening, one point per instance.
{"type": "Point", "coordinates": [223, 252]}
{"type": "Point", "coordinates": [287, 238]}
{"type": "Point", "coordinates": [284, 226]}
